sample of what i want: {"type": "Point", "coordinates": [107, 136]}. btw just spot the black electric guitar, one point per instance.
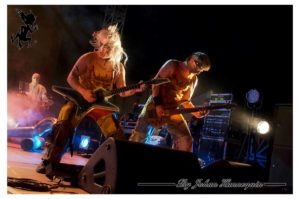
{"type": "Point", "coordinates": [151, 110]}
{"type": "Point", "coordinates": [101, 105]}
{"type": "Point", "coordinates": [198, 108]}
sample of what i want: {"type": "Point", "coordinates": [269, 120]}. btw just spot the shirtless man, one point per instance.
{"type": "Point", "coordinates": [183, 77]}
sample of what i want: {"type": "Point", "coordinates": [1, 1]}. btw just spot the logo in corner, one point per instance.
{"type": "Point", "coordinates": [28, 26]}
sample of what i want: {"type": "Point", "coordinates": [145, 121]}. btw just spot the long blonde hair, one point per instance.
{"type": "Point", "coordinates": [117, 53]}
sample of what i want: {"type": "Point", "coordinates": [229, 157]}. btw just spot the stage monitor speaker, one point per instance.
{"type": "Point", "coordinates": [283, 125]}
{"type": "Point", "coordinates": [129, 167]}
{"type": "Point", "coordinates": [236, 171]}
{"type": "Point", "coordinates": [236, 177]}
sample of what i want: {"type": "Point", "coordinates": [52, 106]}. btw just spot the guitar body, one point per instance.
{"type": "Point", "coordinates": [151, 117]}
{"type": "Point", "coordinates": [99, 110]}
{"type": "Point", "coordinates": [95, 110]}
{"type": "Point", "coordinates": [102, 106]}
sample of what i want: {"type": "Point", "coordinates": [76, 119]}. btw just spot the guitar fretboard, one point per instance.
{"type": "Point", "coordinates": [198, 108]}
{"type": "Point", "coordinates": [123, 89]}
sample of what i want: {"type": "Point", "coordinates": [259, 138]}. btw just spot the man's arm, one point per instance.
{"type": "Point", "coordinates": [44, 94]}
{"type": "Point", "coordinates": [188, 96]}
{"type": "Point", "coordinates": [121, 82]}
{"type": "Point", "coordinates": [165, 71]}
{"type": "Point", "coordinates": [73, 78]}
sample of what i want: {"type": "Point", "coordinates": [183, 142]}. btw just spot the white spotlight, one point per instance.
{"type": "Point", "coordinates": [263, 127]}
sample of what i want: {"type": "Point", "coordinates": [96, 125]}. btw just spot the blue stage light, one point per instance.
{"type": "Point", "coordinates": [37, 142]}
{"type": "Point", "coordinates": [31, 144]}
{"type": "Point", "coordinates": [252, 96]}
{"type": "Point", "coordinates": [84, 142]}
{"type": "Point", "coordinates": [149, 135]}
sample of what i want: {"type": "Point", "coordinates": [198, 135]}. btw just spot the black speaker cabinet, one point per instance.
{"type": "Point", "coordinates": [236, 171]}
{"type": "Point", "coordinates": [129, 167]}
{"type": "Point", "coordinates": [281, 168]}
{"type": "Point", "coordinates": [234, 177]}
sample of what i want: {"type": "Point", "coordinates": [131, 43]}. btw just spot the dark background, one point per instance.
{"type": "Point", "coordinates": [249, 46]}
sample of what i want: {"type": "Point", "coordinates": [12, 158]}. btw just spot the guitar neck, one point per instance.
{"type": "Point", "coordinates": [195, 109]}
{"type": "Point", "coordinates": [131, 87]}
{"type": "Point", "coordinates": [121, 90]}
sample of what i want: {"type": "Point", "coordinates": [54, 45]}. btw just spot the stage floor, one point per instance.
{"type": "Point", "coordinates": [22, 164]}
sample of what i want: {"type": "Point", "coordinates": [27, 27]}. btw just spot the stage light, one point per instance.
{"type": "Point", "coordinates": [149, 135]}
{"type": "Point", "coordinates": [84, 142]}
{"type": "Point", "coordinates": [263, 127]}
{"type": "Point", "coordinates": [252, 96]}
{"type": "Point", "coordinates": [30, 144]}
{"type": "Point", "coordinates": [156, 140]}
{"type": "Point", "coordinates": [37, 142]}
